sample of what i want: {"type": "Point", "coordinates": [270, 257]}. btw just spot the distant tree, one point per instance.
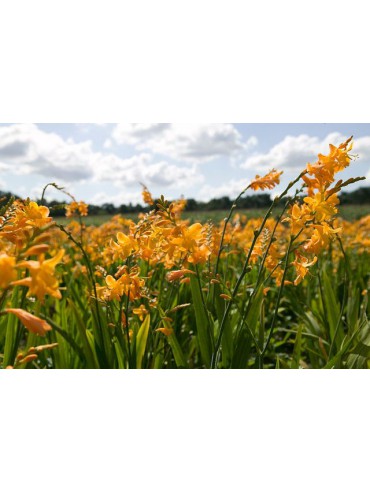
{"type": "Point", "coordinates": [256, 201]}
{"type": "Point", "coordinates": [109, 209]}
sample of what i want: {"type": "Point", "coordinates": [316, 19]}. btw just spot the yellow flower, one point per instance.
{"type": "Point", "coordinates": [124, 247]}
{"type": "Point", "coordinates": [36, 250]}
{"type": "Point", "coordinates": [178, 207]}
{"type": "Point", "coordinates": [115, 287]}
{"type": "Point", "coordinates": [147, 197]}
{"type": "Point", "coordinates": [338, 157]}
{"type": "Point", "coordinates": [80, 207]}
{"type": "Point", "coordinates": [302, 265]}
{"type": "Point", "coordinates": [34, 324]}
{"type": "Point", "coordinates": [323, 208]}
{"type": "Point", "coordinates": [128, 284]}
{"type": "Point", "coordinates": [199, 255]}
{"type": "Point", "coordinates": [266, 182]}
{"type": "Point", "coordinates": [175, 275]}
{"type": "Point", "coordinates": [45, 347]}
{"type": "Point", "coordinates": [42, 278]}
{"type": "Point", "coordinates": [326, 167]}
{"type": "Point", "coordinates": [21, 221]}
{"type": "Point", "coordinates": [36, 215]}
{"type": "Point", "coordinates": [320, 238]}
{"type": "Point", "coordinates": [298, 217]}
{"type": "Point", "coordinates": [7, 270]}
{"type": "Point", "coordinates": [167, 332]}
{"type": "Point", "coordinates": [185, 239]}
{"type": "Point", "coordinates": [141, 312]}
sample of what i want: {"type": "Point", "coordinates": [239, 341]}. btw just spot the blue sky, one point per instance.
{"type": "Point", "coordinates": [106, 162]}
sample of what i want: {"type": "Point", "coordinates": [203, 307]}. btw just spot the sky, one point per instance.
{"type": "Point", "coordinates": [108, 162]}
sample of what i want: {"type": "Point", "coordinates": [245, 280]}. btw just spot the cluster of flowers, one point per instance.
{"type": "Point", "coordinates": [161, 237]}
{"type": "Point", "coordinates": [25, 242]}
{"type": "Point", "coordinates": [29, 254]}
{"type": "Point", "coordinates": [312, 222]}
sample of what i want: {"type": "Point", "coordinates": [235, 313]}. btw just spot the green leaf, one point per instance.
{"type": "Point", "coordinates": [333, 311]}
{"type": "Point", "coordinates": [297, 349]}
{"type": "Point", "coordinates": [10, 349]}
{"type": "Point", "coordinates": [227, 336]}
{"type": "Point", "coordinates": [248, 333]}
{"type": "Point", "coordinates": [141, 341]}
{"type": "Point", "coordinates": [67, 337]}
{"type": "Point", "coordinates": [353, 307]}
{"type": "Point", "coordinates": [242, 350]}
{"type": "Point", "coordinates": [119, 354]}
{"type": "Point", "coordinates": [177, 352]}
{"type": "Point", "coordinates": [202, 321]}
{"type": "Point", "coordinates": [255, 310]}
{"type": "Point", "coordinates": [91, 359]}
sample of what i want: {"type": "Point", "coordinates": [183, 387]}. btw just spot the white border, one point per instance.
{"type": "Point", "coordinates": [245, 61]}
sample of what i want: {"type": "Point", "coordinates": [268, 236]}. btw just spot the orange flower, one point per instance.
{"type": "Point", "coordinates": [302, 265]}
{"type": "Point", "coordinates": [175, 275]}
{"type": "Point", "coordinates": [147, 197]}
{"type": "Point", "coordinates": [36, 215]}
{"type": "Point", "coordinates": [266, 182]}
{"type": "Point", "coordinates": [320, 238]}
{"type": "Point", "coordinates": [299, 216]}
{"type": "Point", "coordinates": [28, 359]}
{"type": "Point", "coordinates": [129, 284]}
{"type": "Point", "coordinates": [42, 278]}
{"type": "Point", "coordinates": [22, 219]}
{"type": "Point", "coordinates": [45, 347]}
{"type": "Point", "coordinates": [167, 332]}
{"type": "Point", "coordinates": [80, 207]}
{"type": "Point", "coordinates": [140, 312]}
{"type": "Point", "coordinates": [34, 324]}
{"type": "Point", "coordinates": [36, 250]}
{"type": "Point", "coordinates": [7, 270]}
{"type": "Point", "coordinates": [323, 208]}
{"type": "Point", "coordinates": [199, 255]}
{"type": "Point", "coordinates": [125, 246]}
{"type": "Point", "coordinates": [188, 238]}
{"type": "Point", "coordinates": [326, 167]}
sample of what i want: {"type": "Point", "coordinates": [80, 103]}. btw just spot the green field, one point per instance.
{"type": "Point", "coordinates": [348, 212]}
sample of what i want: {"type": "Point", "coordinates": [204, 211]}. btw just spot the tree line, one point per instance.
{"type": "Point", "coordinates": [258, 201]}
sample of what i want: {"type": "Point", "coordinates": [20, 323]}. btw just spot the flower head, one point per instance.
{"type": "Point", "coordinates": [7, 270]}
{"type": "Point", "coordinates": [80, 208]}
{"type": "Point", "coordinates": [42, 279]}
{"type": "Point", "coordinates": [266, 182]}
{"type": "Point", "coordinates": [34, 324]}
{"type": "Point", "coordinates": [147, 196]}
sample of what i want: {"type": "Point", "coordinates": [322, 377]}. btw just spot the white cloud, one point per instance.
{"type": "Point", "coordinates": [25, 149]}
{"type": "Point", "coordinates": [230, 189]}
{"type": "Point", "coordinates": [184, 141]}
{"type": "Point", "coordinates": [117, 199]}
{"type": "Point", "coordinates": [293, 152]}
{"type": "Point", "coordinates": [362, 148]}
{"type": "Point", "coordinates": [86, 127]}
{"type": "Point", "coordinates": [138, 133]}
{"type": "Point", "coordinates": [141, 168]}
